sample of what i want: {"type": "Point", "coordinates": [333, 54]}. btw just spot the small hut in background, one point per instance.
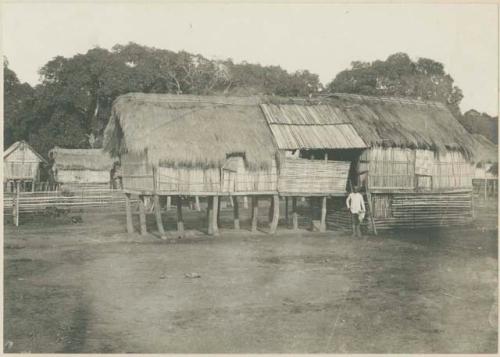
{"type": "Point", "coordinates": [21, 165]}
{"type": "Point", "coordinates": [485, 180]}
{"type": "Point", "coordinates": [81, 167]}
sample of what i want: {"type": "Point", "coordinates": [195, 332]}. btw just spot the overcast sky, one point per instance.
{"type": "Point", "coordinates": [323, 38]}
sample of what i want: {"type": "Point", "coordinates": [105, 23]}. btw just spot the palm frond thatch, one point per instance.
{"type": "Point", "coordinates": [81, 159]}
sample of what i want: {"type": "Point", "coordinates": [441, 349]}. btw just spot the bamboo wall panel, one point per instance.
{"type": "Point", "coordinates": [20, 170]}
{"type": "Point", "coordinates": [188, 180]}
{"type": "Point", "coordinates": [422, 210]}
{"type": "Point", "coordinates": [313, 176]}
{"type": "Point", "coordinates": [421, 170]}
{"type": "Point", "coordinates": [137, 174]}
{"type": "Point", "coordinates": [82, 176]}
{"type": "Point", "coordinates": [237, 179]}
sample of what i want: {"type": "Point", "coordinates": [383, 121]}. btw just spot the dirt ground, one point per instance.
{"type": "Point", "coordinates": [89, 287]}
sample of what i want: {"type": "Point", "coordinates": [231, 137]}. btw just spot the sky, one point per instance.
{"type": "Point", "coordinates": [322, 38]}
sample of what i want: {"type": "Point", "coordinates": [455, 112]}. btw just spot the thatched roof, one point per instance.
{"type": "Point", "coordinates": [484, 150]}
{"type": "Point", "coordinates": [81, 159]}
{"type": "Point", "coordinates": [203, 130]}
{"type": "Point", "coordinates": [398, 122]}
{"type": "Point", "coordinates": [190, 130]}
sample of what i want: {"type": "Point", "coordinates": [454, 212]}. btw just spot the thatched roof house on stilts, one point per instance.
{"type": "Point", "coordinates": [411, 157]}
{"type": "Point", "coordinates": [21, 166]}
{"type": "Point", "coordinates": [191, 146]}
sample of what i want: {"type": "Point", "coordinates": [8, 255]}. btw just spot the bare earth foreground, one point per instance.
{"type": "Point", "coordinates": [89, 287]}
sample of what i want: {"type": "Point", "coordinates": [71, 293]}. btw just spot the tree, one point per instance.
{"type": "Point", "coordinates": [399, 76]}
{"type": "Point", "coordinates": [480, 123]}
{"type": "Point", "coordinates": [18, 102]}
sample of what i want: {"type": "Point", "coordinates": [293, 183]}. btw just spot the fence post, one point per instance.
{"type": "Point", "coordinates": [15, 204]}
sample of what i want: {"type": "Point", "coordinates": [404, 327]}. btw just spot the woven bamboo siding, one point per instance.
{"type": "Point", "coordinates": [189, 181]}
{"type": "Point", "coordinates": [82, 176]}
{"type": "Point", "coordinates": [389, 168]}
{"type": "Point", "coordinates": [136, 173]}
{"type": "Point", "coordinates": [237, 179]}
{"type": "Point", "coordinates": [301, 176]}
{"type": "Point", "coordinates": [422, 210]}
{"type": "Point", "coordinates": [451, 170]}
{"type": "Point", "coordinates": [422, 170]}
{"type": "Point", "coordinates": [20, 170]}
{"type": "Point", "coordinates": [20, 162]}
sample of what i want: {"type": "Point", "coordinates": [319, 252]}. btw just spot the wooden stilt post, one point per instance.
{"type": "Point", "coordinates": [210, 222]}
{"type": "Point", "coordinates": [215, 215]}
{"type": "Point", "coordinates": [370, 207]}
{"type": "Point", "coordinates": [169, 202]}
{"type": "Point", "coordinates": [142, 215]}
{"type": "Point", "coordinates": [128, 212]}
{"type": "Point", "coordinates": [322, 226]}
{"type": "Point", "coordinates": [236, 210]}
{"type": "Point", "coordinates": [197, 203]}
{"type": "Point", "coordinates": [219, 199]}
{"type": "Point", "coordinates": [295, 214]}
{"type": "Point", "coordinates": [180, 221]}
{"type": "Point", "coordinates": [270, 214]}
{"type": "Point", "coordinates": [485, 183]}
{"type": "Point", "coordinates": [276, 214]}
{"type": "Point", "coordinates": [245, 202]}
{"type": "Point", "coordinates": [286, 211]}
{"type": "Point", "coordinates": [159, 221]}
{"type": "Point", "coordinates": [255, 212]}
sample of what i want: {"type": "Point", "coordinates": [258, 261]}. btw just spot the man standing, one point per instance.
{"type": "Point", "coordinates": [356, 205]}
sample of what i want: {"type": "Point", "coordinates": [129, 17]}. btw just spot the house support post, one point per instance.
{"type": "Point", "coordinates": [295, 215]}
{"type": "Point", "coordinates": [276, 214]}
{"type": "Point", "coordinates": [142, 215]}
{"type": "Point", "coordinates": [159, 221]}
{"type": "Point", "coordinates": [210, 229]}
{"type": "Point", "coordinates": [286, 211]}
{"type": "Point", "coordinates": [197, 203]}
{"type": "Point", "coordinates": [215, 215]}
{"type": "Point", "coordinates": [169, 202]}
{"type": "Point", "coordinates": [180, 221]}
{"type": "Point", "coordinates": [322, 226]}
{"type": "Point", "coordinates": [236, 211]}
{"type": "Point", "coordinates": [128, 212]}
{"type": "Point", "coordinates": [255, 212]}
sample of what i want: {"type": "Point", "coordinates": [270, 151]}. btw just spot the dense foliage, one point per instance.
{"type": "Point", "coordinates": [480, 123]}
{"type": "Point", "coordinates": [72, 104]}
{"type": "Point", "coordinates": [399, 76]}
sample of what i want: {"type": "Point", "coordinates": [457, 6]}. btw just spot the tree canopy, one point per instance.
{"type": "Point", "coordinates": [399, 76]}
{"type": "Point", "coordinates": [72, 104]}
{"type": "Point", "coordinates": [73, 101]}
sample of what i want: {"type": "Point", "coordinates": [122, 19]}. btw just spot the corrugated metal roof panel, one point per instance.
{"type": "Point", "coordinates": [340, 136]}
